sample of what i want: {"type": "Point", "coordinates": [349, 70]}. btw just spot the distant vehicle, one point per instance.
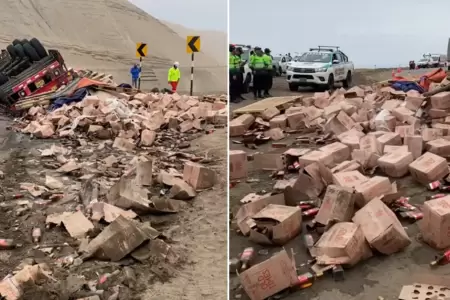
{"type": "Point", "coordinates": [320, 67]}
{"type": "Point", "coordinates": [277, 65]}
{"type": "Point", "coordinates": [425, 62]}
{"type": "Point", "coordinates": [438, 60]}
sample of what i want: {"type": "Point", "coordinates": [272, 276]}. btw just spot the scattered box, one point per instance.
{"type": "Point", "coordinates": [440, 100]}
{"type": "Point", "coordinates": [316, 156]}
{"type": "Point", "coordinates": [238, 164]}
{"type": "Point", "coordinates": [279, 121]}
{"type": "Point", "coordinates": [374, 187]}
{"type": "Point", "coordinates": [337, 204]}
{"type": "Point", "coordinates": [380, 226]}
{"type": "Point", "coordinates": [395, 164]}
{"type": "Point", "coordinates": [428, 168]}
{"type": "Point", "coordinates": [198, 176]}
{"type": "Point", "coordinates": [439, 147]}
{"type": "Point", "coordinates": [339, 151]}
{"type": "Point", "coordinates": [349, 179]}
{"type": "Point", "coordinates": [415, 145]}
{"type": "Point", "coordinates": [435, 225]}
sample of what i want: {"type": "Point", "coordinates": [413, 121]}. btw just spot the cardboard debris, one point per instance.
{"type": "Point", "coordinates": [270, 276]}
{"type": "Point", "coordinates": [77, 224]}
{"type": "Point", "coordinates": [238, 164]}
{"type": "Point", "coordinates": [108, 212]}
{"type": "Point", "coordinates": [435, 223]}
{"type": "Point", "coordinates": [337, 204]}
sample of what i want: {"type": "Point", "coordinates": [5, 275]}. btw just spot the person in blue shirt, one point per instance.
{"type": "Point", "coordinates": [135, 71]}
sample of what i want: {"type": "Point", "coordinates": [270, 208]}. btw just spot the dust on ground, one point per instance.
{"type": "Point", "coordinates": [198, 232]}
{"type": "Point", "coordinates": [379, 276]}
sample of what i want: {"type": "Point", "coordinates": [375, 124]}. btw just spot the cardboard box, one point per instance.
{"type": "Point", "coordinates": [382, 229]}
{"type": "Point", "coordinates": [351, 138]}
{"type": "Point", "coordinates": [279, 121]}
{"type": "Point", "coordinates": [402, 114]}
{"type": "Point", "coordinates": [390, 149]}
{"type": "Point", "coordinates": [237, 128]}
{"type": "Point", "coordinates": [370, 144]}
{"type": "Point", "coordinates": [339, 151]}
{"type": "Point", "coordinates": [198, 176]}
{"type": "Point", "coordinates": [343, 243]}
{"type": "Point", "coordinates": [316, 156]}
{"type": "Point", "coordinates": [429, 134]}
{"type": "Point", "coordinates": [440, 100]}
{"type": "Point", "coordinates": [395, 164]}
{"type": "Point", "coordinates": [256, 204]}
{"type": "Point", "coordinates": [275, 134]}
{"type": "Point", "coordinates": [309, 184]}
{"type": "Point", "coordinates": [444, 127]}
{"type": "Point", "coordinates": [374, 187]}
{"type": "Point", "coordinates": [238, 164]}
{"type": "Point", "coordinates": [390, 138]}
{"type": "Point", "coordinates": [415, 145]}
{"type": "Point", "coordinates": [268, 161]}
{"type": "Point", "coordinates": [439, 147]}
{"type": "Point", "coordinates": [435, 225]}
{"type": "Point", "coordinates": [337, 204]}
{"type": "Point", "coordinates": [414, 103]}
{"type": "Point", "coordinates": [269, 277]}
{"type": "Point", "coordinates": [428, 168]}
{"type": "Point", "coordinates": [270, 113]}
{"type": "Point", "coordinates": [404, 130]}
{"type": "Point", "coordinates": [345, 166]}
{"type": "Point", "coordinates": [276, 224]}
{"type": "Point", "coordinates": [349, 179]}
{"type": "Point", "coordinates": [296, 119]}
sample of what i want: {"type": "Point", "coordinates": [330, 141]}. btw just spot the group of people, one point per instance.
{"type": "Point", "coordinates": [261, 66]}
{"type": "Point", "coordinates": [173, 76]}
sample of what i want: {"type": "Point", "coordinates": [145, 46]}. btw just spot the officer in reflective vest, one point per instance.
{"type": "Point", "coordinates": [234, 63]}
{"type": "Point", "coordinates": [269, 76]}
{"type": "Point", "coordinates": [259, 72]}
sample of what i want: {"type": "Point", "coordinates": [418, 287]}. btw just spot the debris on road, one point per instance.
{"type": "Point", "coordinates": [347, 153]}
{"type": "Point", "coordinates": [120, 159]}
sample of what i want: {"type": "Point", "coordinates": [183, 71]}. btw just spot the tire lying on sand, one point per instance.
{"type": "Point", "coordinates": [31, 52]}
{"type": "Point", "coordinates": [15, 42]}
{"type": "Point", "coordinates": [24, 41]}
{"type": "Point", "coordinates": [38, 47]}
{"type": "Point", "coordinates": [3, 78]}
{"type": "Point", "coordinates": [19, 50]}
{"type": "Point", "coordinates": [12, 51]}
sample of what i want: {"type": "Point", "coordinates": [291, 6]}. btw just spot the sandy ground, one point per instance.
{"type": "Point", "coordinates": [379, 276]}
{"type": "Point", "coordinates": [102, 35]}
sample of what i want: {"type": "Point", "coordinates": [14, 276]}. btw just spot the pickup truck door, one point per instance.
{"type": "Point", "coordinates": [339, 69]}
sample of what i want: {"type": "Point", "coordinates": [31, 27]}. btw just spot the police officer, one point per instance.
{"type": "Point", "coordinates": [259, 72]}
{"type": "Point", "coordinates": [240, 81]}
{"type": "Point", "coordinates": [269, 76]}
{"type": "Point", "coordinates": [234, 70]}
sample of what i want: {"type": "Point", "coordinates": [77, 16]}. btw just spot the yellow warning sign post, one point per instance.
{"type": "Point", "coordinates": [141, 51]}
{"type": "Point", "coordinates": [193, 45]}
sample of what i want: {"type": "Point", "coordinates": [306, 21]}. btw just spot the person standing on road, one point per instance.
{"type": "Point", "coordinates": [259, 72]}
{"type": "Point", "coordinates": [174, 76]}
{"type": "Point", "coordinates": [234, 62]}
{"type": "Point", "coordinates": [268, 61]}
{"type": "Point", "coordinates": [135, 72]}
{"type": "Point", "coordinates": [241, 73]}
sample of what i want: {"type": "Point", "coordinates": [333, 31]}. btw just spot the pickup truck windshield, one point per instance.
{"type": "Point", "coordinates": [315, 57]}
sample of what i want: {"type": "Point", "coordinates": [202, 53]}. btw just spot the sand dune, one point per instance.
{"type": "Point", "coordinates": [101, 35]}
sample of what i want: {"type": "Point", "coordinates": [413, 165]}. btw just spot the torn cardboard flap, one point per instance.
{"type": "Point", "coordinates": [382, 229]}
{"type": "Point", "coordinates": [249, 209]}
{"type": "Point", "coordinates": [276, 224]}
{"type": "Point", "coordinates": [269, 277]}
{"type": "Point", "coordinates": [338, 204]}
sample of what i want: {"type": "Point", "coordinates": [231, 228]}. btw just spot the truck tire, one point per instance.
{"type": "Point", "coordinates": [16, 42]}
{"type": "Point", "coordinates": [12, 51]}
{"type": "Point", "coordinates": [348, 80]}
{"type": "Point", "coordinates": [293, 87]}
{"type": "Point", "coordinates": [3, 78]}
{"type": "Point", "coordinates": [330, 84]}
{"type": "Point", "coordinates": [31, 52]}
{"type": "Point", "coordinates": [19, 50]}
{"type": "Point", "coordinates": [24, 41]}
{"type": "Point", "coordinates": [38, 47]}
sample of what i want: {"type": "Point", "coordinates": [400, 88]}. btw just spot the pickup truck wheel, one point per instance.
{"type": "Point", "coordinates": [330, 84]}
{"type": "Point", "coordinates": [12, 51]}
{"type": "Point", "coordinates": [31, 52]}
{"type": "Point", "coordinates": [348, 80]}
{"type": "Point", "coordinates": [19, 50]}
{"type": "Point", "coordinates": [38, 47]}
{"type": "Point", "coordinates": [293, 87]}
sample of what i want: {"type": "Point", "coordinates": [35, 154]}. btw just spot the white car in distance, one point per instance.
{"type": "Point", "coordinates": [320, 67]}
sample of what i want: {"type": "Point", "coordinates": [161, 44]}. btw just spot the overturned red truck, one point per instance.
{"type": "Point", "coordinates": [27, 68]}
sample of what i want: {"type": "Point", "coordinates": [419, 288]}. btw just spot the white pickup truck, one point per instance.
{"type": "Point", "coordinates": [320, 67]}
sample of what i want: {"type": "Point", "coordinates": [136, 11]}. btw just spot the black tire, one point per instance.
{"type": "Point", "coordinates": [24, 41]}
{"type": "Point", "coordinates": [330, 84]}
{"type": "Point", "coordinates": [16, 42]}
{"type": "Point", "coordinates": [348, 80]}
{"type": "Point", "coordinates": [19, 50]}
{"type": "Point", "coordinates": [12, 51]}
{"type": "Point", "coordinates": [38, 47]}
{"type": "Point", "coordinates": [293, 87]}
{"type": "Point", "coordinates": [3, 78]}
{"type": "Point", "coordinates": [31, 52]}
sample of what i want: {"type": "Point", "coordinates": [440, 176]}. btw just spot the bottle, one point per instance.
{"type": "Point", "coordinates": [441, 260]}
{"type": "Point", "coordinates": [7, 244]}
{"type": "Point", "coordinates": [246, 257]}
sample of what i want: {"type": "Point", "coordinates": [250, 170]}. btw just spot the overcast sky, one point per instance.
{"type": "Point", "coordinates": [195, 14]}
{"type": "Point", "coordinates": [384, 33]}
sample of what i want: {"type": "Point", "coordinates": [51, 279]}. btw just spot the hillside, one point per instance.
{"type": "Point", "coordinates": [214, 43]}
{"type": "Point", "coordinates": [101, 35]}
